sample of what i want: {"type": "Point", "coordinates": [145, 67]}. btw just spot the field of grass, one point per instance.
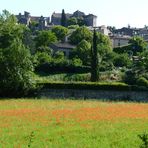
{"type": "Point", "coordinates": [71, 124]}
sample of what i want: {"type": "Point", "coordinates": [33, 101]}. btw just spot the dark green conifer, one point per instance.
{"type": "Point", "coordinates": [63, 19]}
{"type": "Point", "coordinates": [94, 59]}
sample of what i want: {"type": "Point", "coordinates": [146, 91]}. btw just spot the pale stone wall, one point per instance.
{"type": "Point", "coordinates": [95, 94]}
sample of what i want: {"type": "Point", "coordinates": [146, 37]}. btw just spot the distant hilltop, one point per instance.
{"type": "Point", "coordinates": [26, 18]}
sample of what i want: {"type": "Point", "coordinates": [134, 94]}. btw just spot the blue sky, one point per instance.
{"type": "Point", "coordinates": [110, 12]}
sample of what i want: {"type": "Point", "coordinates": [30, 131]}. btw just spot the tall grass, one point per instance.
{"type": "Point", "coordinates": [107, 76]}
{"type": "Point", "coordinates": [68, 123]}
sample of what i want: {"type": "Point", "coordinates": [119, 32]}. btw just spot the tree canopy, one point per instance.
{"type": "Point", "coordinates": [15, 59]}
{"type": "Point", "coordinates": [60, 32]}
{"type": "Point", "coordinates": [137, 44]}
{"type": "Point", "coordinates": [83, 52]}
{"type": "Point", "coordinates": [72, 21]}
{"type": "Point", "coordinates": [81, 33]}
{"type": "Point", "coordinates": [44, 38]}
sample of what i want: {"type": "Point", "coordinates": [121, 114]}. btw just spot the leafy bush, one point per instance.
{"type": "Point", "coordinates": [123, 49]}
{"type": "Point", "coordinates": [59, 68]}
{"type": "Point", "coordinates": [130, 77]}
{"type": "Point", "coordinates": [121, 60]}
{"type": "Point", "coordinates": [144, 138]}
{"type": "Point", "coordinates": [105, 66]}
{"type": "Point", "coordinates": [41, 58]}
{"type": "Point", "coordinates": [142, 82]}
{"type": "Point", "coordinates": [16, 70]}
{"type": "Point", "coordinates": [76, 62]}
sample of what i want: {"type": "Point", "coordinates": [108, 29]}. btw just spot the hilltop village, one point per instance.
{"type": "Point", "coordinates": [119, 37]}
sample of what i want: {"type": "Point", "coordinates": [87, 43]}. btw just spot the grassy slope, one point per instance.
{"type": "Point", "coordinates": [85, 77]}
{"type": "Point", "coordinates": [67, 123]}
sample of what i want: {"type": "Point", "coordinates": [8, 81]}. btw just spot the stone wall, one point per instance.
{"type": "Point", "coordinates": [95, 94]}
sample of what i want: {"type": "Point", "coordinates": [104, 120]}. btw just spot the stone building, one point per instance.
{"type": "Point", "coordinates": [26, 19]}
{"type": "Point", "coordinates": [56, 18]}
{"type": "Point", "coordinates": [90, 20]}
{"type": "Point", "coordinates": [118, 41]}
{"type": "Point", "coordinates": [66, 48]}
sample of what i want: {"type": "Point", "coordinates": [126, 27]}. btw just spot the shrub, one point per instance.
{"type": "Point", "coordinates": [76, 62]}
{"type": "Point", "coordinates": [142, 82]}
{"type": "Point", "coordinates": [58, 68]}
{"type": "Point", "coordinates": [122, 60]}
{"type": "Point", "coordinates": [130, 77]}
{"type": "Point", "coordinates": [122, 49]}
{"type": "Point", "coordinates": [144, 138]}
{"type": "Point", "coordinates": [41, 58]}
{"type": "Point", "coordinates": [16, 70]}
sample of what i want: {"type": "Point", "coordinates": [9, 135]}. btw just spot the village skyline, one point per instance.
{"type": "Point", "coordinates": [116, 13]}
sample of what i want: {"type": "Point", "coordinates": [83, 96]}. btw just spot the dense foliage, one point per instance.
{"type": "Point", "coordinates": [94, 59]}
{"type": "Point", "coordinates": [15, 58]}
{"type": "Point", "coordinates": [23, 49]}
{"type": "Point", "coordinates": [60, 32]}
{"type": "Point", "coordinates": [44, 38]}
{"type": "Point", "coordinates": [81, 33]}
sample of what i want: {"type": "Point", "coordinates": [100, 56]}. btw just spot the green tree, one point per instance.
{"type": "Point", "coordinates": [44, 38]}
{"type": "Point", "coordinates": [81, 21]}
{"type": "Point", "coordinates": [60, 59]}
{"type": "Point", "coordinates": [33, 26]}
{"type": "Point", "coordinates": [9, 30]}
{"type": "Point", "coordinates": [83, 51]}
{"type": "Point", "coordinates": [138, 69]}
{"type": "Point", "coordinates": [60, 32]}
{"type": "Point", "coordinates": [73, 27]}
{"type": "Point", "coordinates": [63, 19]}
{"type": "Point", "coordinates": [41, 58]}
{"type": "Point", "coordinates": [94, 60]}
{"type": "Point", "coordinates": [104, 45]}
{"type": "Point", "coordinates": [142, 63]}
{"type": "Point", "coordinates": [72, 21]}
{"type": "Point", "coordinates": [137, 44]}
{"type": "Point", "coordinates": [81, 33]}
{"type": "Point", "coordinates": [16, 68]}
{"type": "Point", "coordinates": [121, 60]}
{"type": "Point", "coordinates": [15, 59]}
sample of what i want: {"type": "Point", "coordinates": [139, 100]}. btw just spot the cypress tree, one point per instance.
{"type": "Point", "coordinates": [94, 59]}
{"type": "Point", "coordinates": [63, 18]}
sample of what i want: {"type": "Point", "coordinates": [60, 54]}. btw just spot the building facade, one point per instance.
{"type": "Point", "coordinates": [90, 20]}
{"type": "Point", "coordinates": [118, 41]}
{"type": "Point", "coordinates": [27, 19]}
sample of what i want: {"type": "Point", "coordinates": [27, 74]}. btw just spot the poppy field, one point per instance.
{"type": "Point", "coordinates": [48, 123]}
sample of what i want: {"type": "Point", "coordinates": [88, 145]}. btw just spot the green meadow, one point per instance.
{"type": "Point", "coordinates": [48, 123]}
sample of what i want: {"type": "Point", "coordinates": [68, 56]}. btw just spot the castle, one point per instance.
{"type": "Point", "coordinates": [90, 19]}
{"type": "Point", "coordinates": [45, 22]}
